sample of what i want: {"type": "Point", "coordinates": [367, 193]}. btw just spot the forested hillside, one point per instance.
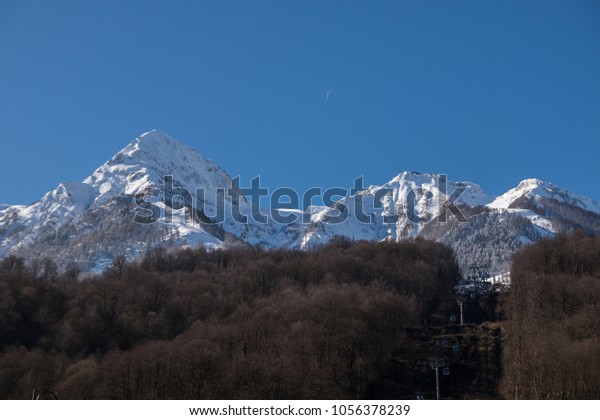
{"type": "Point", "coordinates": [241, 323]}
{"type": "Point", "coordinates": [552, 335]}
{"type": "Point", "coordinates": [348, 320]}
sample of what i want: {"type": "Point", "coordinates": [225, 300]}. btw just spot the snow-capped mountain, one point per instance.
{"type": "Point", "coordinates": [493, 228]}
{"type": "Point", "coordinates": [90, 222]}
{"type": "Point", "coordinates": [399, 209]}
{"type": "Point", "coordinates": [158, 192]}
{"type": "Point", "coordinates": [536, 190]}
{"type": "Point", "coordinates": [144, 162]}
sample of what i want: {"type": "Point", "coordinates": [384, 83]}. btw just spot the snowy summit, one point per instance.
{"type": "Point", "coordinates": [89, 223]}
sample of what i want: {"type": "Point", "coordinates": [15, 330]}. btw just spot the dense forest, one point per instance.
{"type": "Point", "coordinates": [348, 320]}
{"type": "Point", "coordinates": [239, 323]}
{"type": "Point", "coordinates": [552, 331]}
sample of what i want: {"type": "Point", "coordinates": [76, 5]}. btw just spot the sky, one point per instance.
{"type": "Point", "coordinates": [304, 93]}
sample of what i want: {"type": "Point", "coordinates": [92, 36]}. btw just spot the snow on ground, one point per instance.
{"type": "Point", "coordinates": [500, 278]}
{"type": "Point", "coordinates": [540, 222]}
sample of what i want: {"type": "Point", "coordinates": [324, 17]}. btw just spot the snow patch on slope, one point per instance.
{"type": "Point", "coordinates": [543, 224]}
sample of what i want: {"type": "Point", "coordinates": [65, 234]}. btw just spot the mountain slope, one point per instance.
{"type": "Point", "coordinates": [536, 190]}
{"type": "Point", "coordinates": [91, 222]}
{"type": "Point", "coordinates": [158, 192]}
{"type": "Point", "coordinates": [397, 210]}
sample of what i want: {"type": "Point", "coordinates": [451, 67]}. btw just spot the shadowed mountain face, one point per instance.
{"type": "Point", "coordinates": [158, 192]}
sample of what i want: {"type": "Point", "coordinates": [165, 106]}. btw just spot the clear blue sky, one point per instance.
{"type": "Point", "coordinates": [487, 91]}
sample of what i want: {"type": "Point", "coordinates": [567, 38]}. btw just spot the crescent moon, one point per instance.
{"type": "Point", "coordinates": [328, 94]}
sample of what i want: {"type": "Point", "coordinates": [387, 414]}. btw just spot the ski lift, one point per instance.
{"type": "Point", "coordinates": [453, 317]}
{"type": "Point", "coordinates": [445, 344]}
{"type": "Point", "coordinates": [446, 371]}
{"type": "Point", "coordinates": [455, 348]}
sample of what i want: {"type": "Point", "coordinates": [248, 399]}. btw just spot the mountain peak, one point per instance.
{"type": "Point", "coordinates": [154, 145]}
{"type": "Point", "coordinates": [530, 184]}
{"type": "Point", "coordinates": [154, 139]}
{"type": "Point", "coordinates": [536, 189]}
{"type": "Point", "coordinates": [412, 175]}
{"type": "Point", "coordinates": [146, 160]}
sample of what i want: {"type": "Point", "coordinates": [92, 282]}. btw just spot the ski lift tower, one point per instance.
{"type": "Point", "coordinates": [436, 363]}
{"type": "Point", "coordinates": [459, 301]}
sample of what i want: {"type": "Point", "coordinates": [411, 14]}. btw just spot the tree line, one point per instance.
{"type": "Point", "coordinates": [552, 333]}
{"type": "Point", "coordinates": [237, 323]}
